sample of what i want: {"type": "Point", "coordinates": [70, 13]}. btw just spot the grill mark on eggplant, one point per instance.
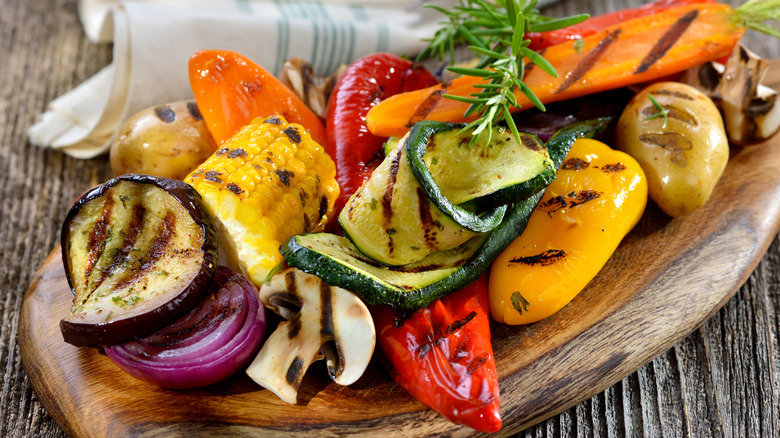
{"type": "Point", "coordinates": [294, 373]}
{"type": "Point", "coordinates": [97, 239]}
{"type": "Point", "coordinates": [426, 219]}
{"type": "Point", "coordinates": [666, 41]}
{"type": "Point", "coordinates": [387, 199]}
{"type": "Point", "coordinates": [428, 105]}
{"type": "Point", "coordinates": [164, 235]}
{"type": "Point", "coordinates": [589, 60]}
{"type": "Point", "coordinates": [131, 236]}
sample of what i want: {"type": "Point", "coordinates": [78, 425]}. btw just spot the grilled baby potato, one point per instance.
{"type": "Point", "coordinates": [167, 140]}
{"type": "Point", "coordinates": [684, 153]}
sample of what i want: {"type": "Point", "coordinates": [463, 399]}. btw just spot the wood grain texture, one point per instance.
{"type": "Point", "coordinates": [721, 380]}
{"type": "Point", "coordinates": [667, 277]}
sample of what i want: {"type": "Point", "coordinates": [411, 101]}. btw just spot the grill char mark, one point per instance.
{"type": "Point", "coordinates": [133, 231]}
{"type": "Point", "coordinates": [589, 60]}
{"type": "Point", "coordinates": [387, 198]}
{"type": "Point", "coordinates": [428, 105]}
{"type": "Point", "coordinates": [666, 41]}
{"type": "Point", "coordinates": [165, 233]}
{"type": "Point", "coordinates": [97, 238]}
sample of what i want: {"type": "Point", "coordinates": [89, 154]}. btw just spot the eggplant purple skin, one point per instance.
{"type": "Point", "coordinates": [126, 329]}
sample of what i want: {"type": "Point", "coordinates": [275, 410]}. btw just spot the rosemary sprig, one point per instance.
{"type": "Point", "coordinates": [755, 13]}
{"type": "Point", "coordinates": [662, 112]}
{"type": "Point", "coordinates": [494, 31]}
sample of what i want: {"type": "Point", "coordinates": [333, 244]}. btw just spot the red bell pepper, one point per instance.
{"type": "Point", "coordinates": [365, 83]}
{"type": "Point", "coordinates": [540, 40]}
{"type": "Point", "coordinates": [442, 356]}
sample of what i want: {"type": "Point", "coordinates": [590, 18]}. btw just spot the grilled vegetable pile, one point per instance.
{"type": "Point", "coordinates": [438, 227]}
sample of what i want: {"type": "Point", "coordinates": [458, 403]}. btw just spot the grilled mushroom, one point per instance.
{"type": "Point", "coordinates": [321, 321]}
{"type": "Point", "coordinates": [299, 76]}
{"type": "Point", "coordinates": [748, 108]}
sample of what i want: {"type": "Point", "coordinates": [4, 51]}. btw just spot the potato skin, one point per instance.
{"type": "Point", "coordinates": [684, 160]}
{"type": "Point", "coordinates": [167, 141]}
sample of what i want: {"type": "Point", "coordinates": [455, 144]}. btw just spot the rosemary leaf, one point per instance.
{"type": "Point", "coordinates": [495, 32]}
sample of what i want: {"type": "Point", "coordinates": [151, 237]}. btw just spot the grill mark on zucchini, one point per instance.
{"type": "Point", "coordinates": [387, 199]}
{"type": "Point", "coordinates": [97, 240]}
{"type": "Point", "coordinates": [164, 234]}
{"type": "Point", "coordinates": [134, 230]}
{"type": "Point", "coordinates": [426, 219]}
{"type": "Point", "coordinates": [666, 41]}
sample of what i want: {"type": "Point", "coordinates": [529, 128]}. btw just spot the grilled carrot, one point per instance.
{"type": "Point", "coordinates": [629, 52]}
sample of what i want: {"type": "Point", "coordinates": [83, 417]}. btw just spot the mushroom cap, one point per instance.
{"type": "Point", "coordinates": [321, 321]}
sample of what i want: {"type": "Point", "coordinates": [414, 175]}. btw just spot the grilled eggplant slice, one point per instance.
{"type": "Point", "coordinates": [139, 251]}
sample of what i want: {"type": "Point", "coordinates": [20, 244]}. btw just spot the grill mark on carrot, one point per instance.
{"type": "Point", "coordinates": [589, 60]}
{"type": "Point", "coordinates": [666, 41]}
{"type": "Point", "coordinates": [531, 65]}
{"type": "Point", "coordinates": [97, 239]}
{"type": "Point", "coordinates": [428, 105]}
{"type": "Point", "coordinates": [164, 235]}
{"type": "Point", "coordinates": [133, 231]}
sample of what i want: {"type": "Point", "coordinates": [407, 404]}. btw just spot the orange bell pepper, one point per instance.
{"type": "Point", "coordinates": [630, 52]}
{"type": "Point", "coordinates": [231, 91]}
{"type": "Point", "coordinates": [597, 198]}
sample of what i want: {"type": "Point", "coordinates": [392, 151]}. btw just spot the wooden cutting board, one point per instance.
{"type": "Point", "coordinates": [666, 278]}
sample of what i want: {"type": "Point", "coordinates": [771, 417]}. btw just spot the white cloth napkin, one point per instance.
{"type": "Point", "coordinates": [153, 41]}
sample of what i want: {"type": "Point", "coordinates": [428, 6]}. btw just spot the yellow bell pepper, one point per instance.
{"type": "Point", "coordinates": [597, 198]}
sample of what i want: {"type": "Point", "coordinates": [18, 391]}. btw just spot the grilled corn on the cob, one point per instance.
{"type": "Point", "coordinates": [267, 183]}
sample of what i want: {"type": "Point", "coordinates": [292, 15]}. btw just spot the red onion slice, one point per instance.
{"type": "Point", "coordinates": [207, 345]}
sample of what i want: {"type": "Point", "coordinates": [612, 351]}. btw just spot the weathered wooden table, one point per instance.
{"type": "Point", "coordinates": [721, 380]}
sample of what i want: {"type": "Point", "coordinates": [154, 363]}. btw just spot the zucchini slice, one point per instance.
{"type": "Point", "coordinates": [435, 191]}
{"type": "Point", "coordinates": [340, 263]}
